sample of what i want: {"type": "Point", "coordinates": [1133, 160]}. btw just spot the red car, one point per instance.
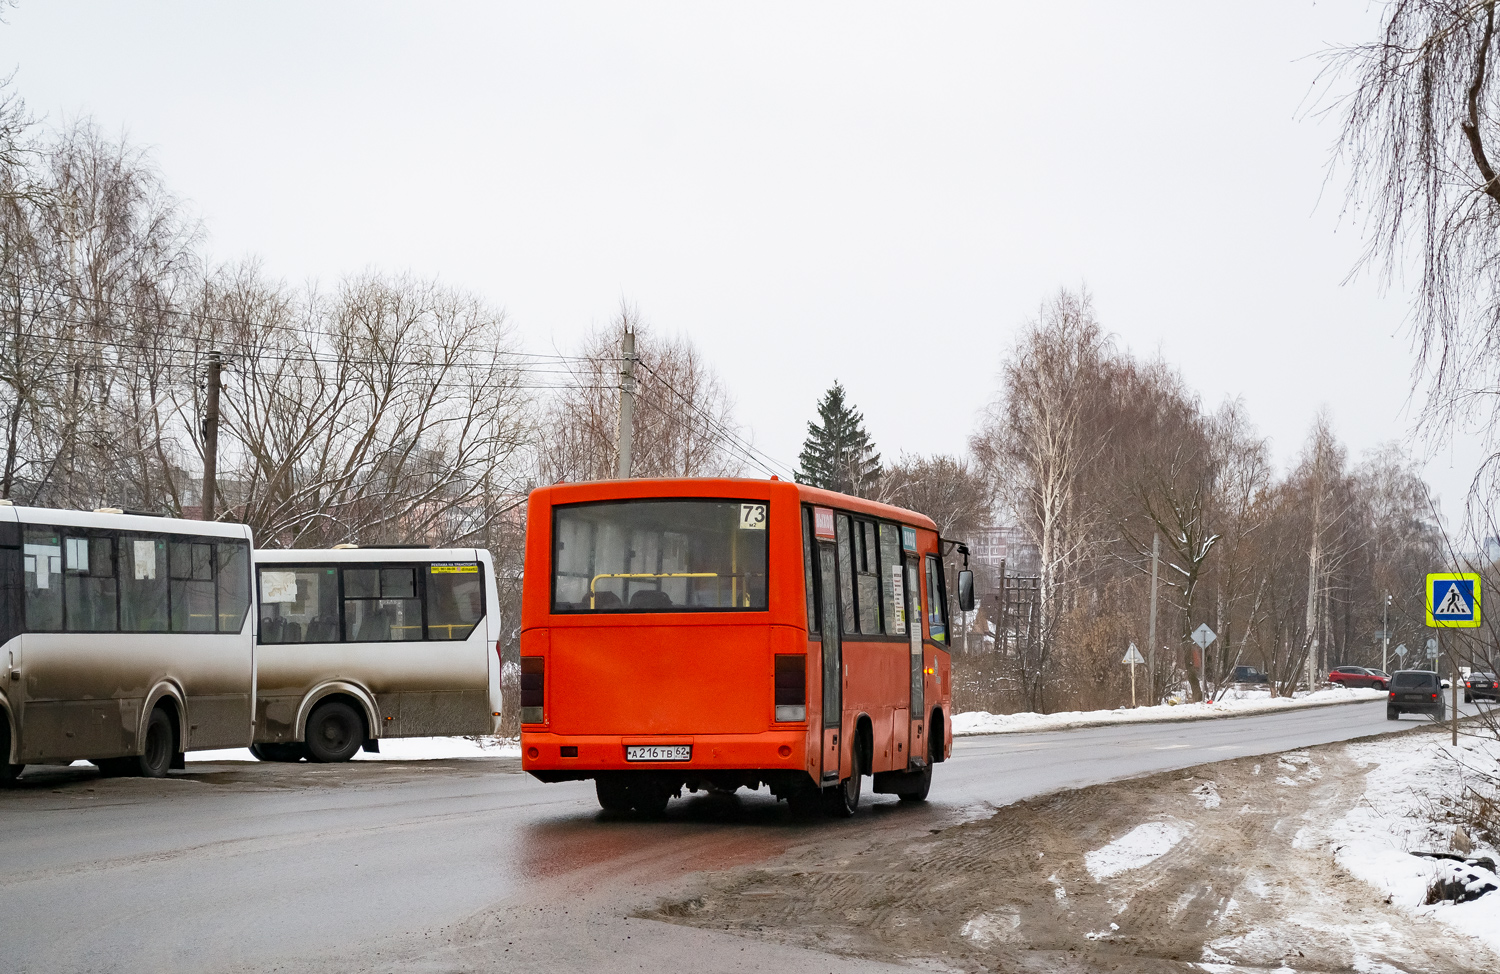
{"type": "Point", "coordinates": [1358, 676]}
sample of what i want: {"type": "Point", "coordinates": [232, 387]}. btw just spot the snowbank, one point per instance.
{"type": "Point", "coordinates": [1374, 840]}
{"type": "Point", "coordinates": [402, 749]}
{"type": "Point", "coordinates": [1235, 703]}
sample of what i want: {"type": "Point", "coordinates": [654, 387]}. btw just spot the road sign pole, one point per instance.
{"type": "Point", "coordinates": [1385, 635]}
{"type": "Point", "coordinates": [1132, 684]}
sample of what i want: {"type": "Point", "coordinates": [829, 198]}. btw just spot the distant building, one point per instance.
{"type": "Point", "coordinates": [1008, 544]}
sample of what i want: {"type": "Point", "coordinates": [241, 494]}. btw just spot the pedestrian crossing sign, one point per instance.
{"type": "Point", "coordinates": [1453, 600]}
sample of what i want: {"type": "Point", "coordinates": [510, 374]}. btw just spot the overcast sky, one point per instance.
{"type": "Point", "coordinates": [876, 193]}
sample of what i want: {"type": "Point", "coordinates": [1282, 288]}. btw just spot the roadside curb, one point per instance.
{"type": "Point", "coordinates": [1184, 719]}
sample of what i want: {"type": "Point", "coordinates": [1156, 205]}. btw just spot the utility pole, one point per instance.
{"type": "Point", "coordinates": [211, 436]}
{"type": "Point", "coordinates": [1385, 635]}
{"type": "Point", "coordinates": [627, 403]}
{"type": "Point", "coordinates": [1151, 625]}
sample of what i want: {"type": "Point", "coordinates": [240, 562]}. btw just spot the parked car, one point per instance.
{"type": "Point", "coordinates": [1248, 674]}
{"type": "Point", "coordinates": [1415, 692]}
{"type": "Point", "coordinates": [1481, 686]}
{"type": "Point", "coordinates": [1358, 676]}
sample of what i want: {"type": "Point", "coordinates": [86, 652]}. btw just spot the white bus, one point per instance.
{"type": "Point", "coordinates": [360, 644]}
{"type": "Point", "coordinates": [125, 639]}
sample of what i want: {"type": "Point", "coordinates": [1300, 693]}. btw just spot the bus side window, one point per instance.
{"type": "Point", "coordinates": [191, 564]}
{"type": "Point", "coordinates": [41, 566]}
{"type": "Point", "coordinates": [143, 583]}
{"type": "Point", "coordinates": [381, 605]}
{"type": "Point", "coordinates": [807, 570]}
{"type": "Point", "coordinates": [299, 604]}
{"type": "Point", "coordinates": [867, 563]}
{"type": "Point", "coordinates": [233, 570]}
{"type": "Point", "coordinates": [890, 580]}
{"type": "Point", "coordinates": [846, 573]}
{"type": "Point", "coordinates": [89, 591]}
{"type": "Point", "coordinates": [937, 602]}
{"type": "Point", "coordinates": [455, 600]}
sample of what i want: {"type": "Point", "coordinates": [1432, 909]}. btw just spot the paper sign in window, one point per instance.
{"type": "Point", "coordinates": [145, 559]}
{"type": "Point", "coordinates": [278, 586]}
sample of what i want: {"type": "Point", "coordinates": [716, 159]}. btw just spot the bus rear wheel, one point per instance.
{"type": "Point", "coordinates": [613, 793]}
{"type": "Point", "coordinates": [334, 733]}
{"type": "Point", "coordinates": [842, 799]}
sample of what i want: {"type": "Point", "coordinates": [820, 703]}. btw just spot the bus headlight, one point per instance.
{"type": "Point", "coordinates": [791, 687]}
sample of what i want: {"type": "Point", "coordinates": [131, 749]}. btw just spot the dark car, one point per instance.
{"type": "Point", "coordinates": [1248, 674]}
{"type": "Point", "coordinates": [1481, 686]}
{"type": "Point", "coordinates": [1357, 676]}
{"type": "Point", "coordinates": [1415, 692]}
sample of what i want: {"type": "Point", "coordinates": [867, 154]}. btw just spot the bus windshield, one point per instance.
{"type": "Point", "coordinates": [659, 556]}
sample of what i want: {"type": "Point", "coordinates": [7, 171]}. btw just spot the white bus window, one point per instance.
{"type": "Point", "coordinates": [41, 561]}
{"type": "Point", "coordinates": [143, 583]}
{"type": "Point", "coordinates": [192, 586]}
{"type": "Point", "coordinates": [89, 585]}
{"type": "Point", "coordinates": [299, 604]}
{"type": "Point", "coordinates": [380, 605]}
{"type": "Point", "coordinates": [234, 584]}
{"type": "Point", "coordinates": [455, 600]}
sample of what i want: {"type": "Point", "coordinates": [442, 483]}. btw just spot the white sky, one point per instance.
{"type": "Point", "coordinates": [878, 193]}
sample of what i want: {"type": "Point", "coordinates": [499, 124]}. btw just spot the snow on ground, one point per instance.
{"type": "Point", "coordinates": [1373, 841]}
{"type": "Point", "coordinates": [402, 749]}
{"type": "Point", "coordinates": [1234, 703]}
{"type": "Point", "coordinates": [1141, 845]}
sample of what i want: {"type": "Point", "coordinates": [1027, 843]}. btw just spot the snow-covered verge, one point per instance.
{"type": "Point", "coordinates": [402, 749]}
{"type": "Point", "coordinates": [1409, 794]}
{"type": "Point", "coordinates": [1234, 703]}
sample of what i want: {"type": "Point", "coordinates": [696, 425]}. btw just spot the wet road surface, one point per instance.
{"type": "Point", "coordinates": [465, 865]}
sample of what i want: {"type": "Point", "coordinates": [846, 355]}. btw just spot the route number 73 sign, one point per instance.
{"type": "Point", "coordinates": [1453, 600]}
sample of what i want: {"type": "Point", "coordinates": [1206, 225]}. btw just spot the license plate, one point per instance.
{"type": "Point", "coordinates": [658, 752]}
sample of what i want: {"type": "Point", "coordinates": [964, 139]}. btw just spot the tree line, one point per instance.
{"type": "Point", "coordinates": [1104, 462]}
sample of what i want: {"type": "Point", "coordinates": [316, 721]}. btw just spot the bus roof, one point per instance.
{"type": "Point", "coordinates": [284, 556]}
{"type": "Point", "coordinates": [599, 490]}
{"type": "Point", "coordinates": [145, 523]}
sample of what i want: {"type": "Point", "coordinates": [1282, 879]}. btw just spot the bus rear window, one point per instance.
{"type": "Point", "coordinates": [659, 556]}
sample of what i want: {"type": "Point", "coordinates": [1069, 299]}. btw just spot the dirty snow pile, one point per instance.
{"type": "Point", "coordinates": [1141, 845]}
{"type": "Point", "coordinates": [1403, 812]}
{"type": "Point", "coordinates": [402, 749]}
{"type": "Point", "coordinates": [1234, 703]}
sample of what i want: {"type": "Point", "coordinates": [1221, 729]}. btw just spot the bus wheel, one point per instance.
{"type": "Point", "coordinates": [805, 802]}
{"type": "Point", "coordinates": [288, 753]}
{"type": "Point", "coordinates": [842, 799]}
{"type": "Point", "coordinates": [8, 772]}
{"type": "Point", "coordinates": [334, 733]}
{"type": "Point", "coordinates": [650, 797]}
{"type": "Point", "coordinates": [614, 794]}
{"type": "Point", "coordinates": [920, 782]}
{"type": "Point", "coordinates": [155, 759]}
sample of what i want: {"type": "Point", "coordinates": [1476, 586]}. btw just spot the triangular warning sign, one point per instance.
{"type": "Point", "coordinates": [1453, 603]}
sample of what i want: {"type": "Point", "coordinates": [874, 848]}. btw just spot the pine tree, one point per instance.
{"type": "Point", "coordinates": [838, 454]}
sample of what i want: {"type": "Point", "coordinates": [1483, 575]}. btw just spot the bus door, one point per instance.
{"type": "Point", "coordinates": [918, 751]}
{"type": "Point", "coordinates": [833, 661]}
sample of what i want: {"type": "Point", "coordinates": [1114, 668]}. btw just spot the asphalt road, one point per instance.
{"type": "Point", "coordinates": [471, 865]}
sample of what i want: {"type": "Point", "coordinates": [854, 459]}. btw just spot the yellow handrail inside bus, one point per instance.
{"type": "Point", "coordinates": [595, 580]}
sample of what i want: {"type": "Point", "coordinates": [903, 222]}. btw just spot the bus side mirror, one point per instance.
{"type": "Point", "coordinates": [966, 590]}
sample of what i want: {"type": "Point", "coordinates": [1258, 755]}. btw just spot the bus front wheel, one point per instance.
{"type": "Point", "coordinates": [155, 759]}
{"type": "Point", "coordinates": [8, 772]}
{"type": "Point", "coordinates": [334, 733]}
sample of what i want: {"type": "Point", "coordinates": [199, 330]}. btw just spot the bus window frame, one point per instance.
{"type": "Point", "coordinates": [423, 570]}
{"type": "Point", "coordinates": [553, 610]}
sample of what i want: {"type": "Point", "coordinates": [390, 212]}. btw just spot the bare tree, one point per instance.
{"type": "Point", "coordinates": [684, 419]}
{"type": "Point", "coordinates": [1036, 443]}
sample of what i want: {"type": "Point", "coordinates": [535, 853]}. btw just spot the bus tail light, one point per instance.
{"type": "Point", "coordinates": [533, 688]}
{"type": "Point", "coordinates": [791, 687]}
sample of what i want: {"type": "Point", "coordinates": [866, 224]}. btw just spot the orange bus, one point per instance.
{"type": "Point", "coordinates": [728, 633]}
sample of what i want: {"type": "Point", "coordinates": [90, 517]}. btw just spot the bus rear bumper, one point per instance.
{"type": "Point", "coordinates": [569, 757]}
